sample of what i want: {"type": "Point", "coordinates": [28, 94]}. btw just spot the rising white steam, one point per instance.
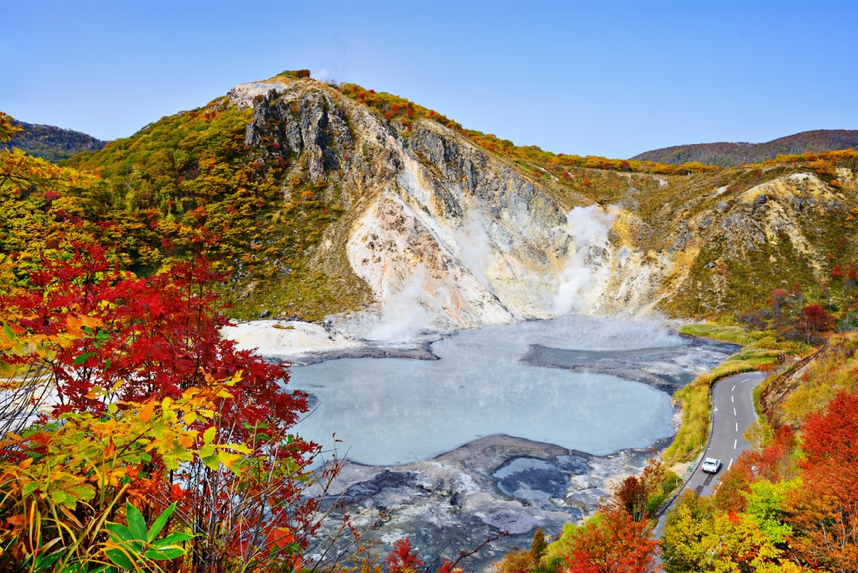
{"type": "Point", "coordinates": [587, 226]}
{"type": "Point", "coordinates": [476, 247]}
{"type": "Point", "coordinates": [404, 314]}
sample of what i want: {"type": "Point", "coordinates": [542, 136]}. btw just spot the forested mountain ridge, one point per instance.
{"type": "Point", "coordinates": [315, 199]}
{"type": "Point", "coordinates": [737, 154]}
{"type": "Point", "coordinates": [312, 201]}
{"type": "Point", "coordinates": [52, 143]}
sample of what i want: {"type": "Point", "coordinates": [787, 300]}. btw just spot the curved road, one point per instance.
{"type": "Point", "coordinates": [733, 413]}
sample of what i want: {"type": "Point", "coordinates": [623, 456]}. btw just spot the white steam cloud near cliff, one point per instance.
{"type": "Point", "coordinates": [587, 226]}
{"type": "Point", "coordinates": [404, 315]}
{"type": "Point", "coordinates": [475, 248]}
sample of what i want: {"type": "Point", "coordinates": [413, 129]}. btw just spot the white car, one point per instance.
{"type": "Point", "coordinates": [711, 465]}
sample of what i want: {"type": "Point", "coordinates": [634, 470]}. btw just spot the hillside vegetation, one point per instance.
{"type": "Point", "coordinates": [51, 143]}
{"type": "Point", "coordinates": [302, 199]}
{"type": "Point", "coordinates": [738, 154]}
{"type": "Point", "coordinates": [271, 192]}
{"type": "Point", "coordinates": [790, 503]}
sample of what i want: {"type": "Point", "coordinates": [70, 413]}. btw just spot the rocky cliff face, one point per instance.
{"type": "Point", "coordinates": [448, 235]}
{"type": "Point", "coordinates": [445, 234]}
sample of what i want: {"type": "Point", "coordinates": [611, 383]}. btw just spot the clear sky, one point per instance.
{"type": "Point", "coordinates": [600, 77]}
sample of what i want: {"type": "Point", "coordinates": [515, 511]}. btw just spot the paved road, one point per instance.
{"type": "Point", "coordinates": [734, 412]}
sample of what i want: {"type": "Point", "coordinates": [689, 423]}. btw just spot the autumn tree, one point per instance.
{"type": "Point", "coordinates": [837, 272]}
{"type": "Point", "coordinates": [634, 494]}
{"type": "Point", "coordinates": [824, 511]}
{"type": "Point", "coordinates": [698, 538]}
{"type": "Point", "coordinates": [686, 525]}
{"type": "Point", "coordinates": [519, 561]}
{"type": "Point", "coordinates": [610, 542]}
{"type": "Point", "coordinates": [151, 341]}
{"type": "Point", "coordinates": [815, 319]}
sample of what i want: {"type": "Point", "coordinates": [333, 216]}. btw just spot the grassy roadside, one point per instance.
{"type": "Point", "coordinates": [760, 351]}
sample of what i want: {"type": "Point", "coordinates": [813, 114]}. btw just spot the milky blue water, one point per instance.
{"type": "Point", "coordinates": [393, 411]}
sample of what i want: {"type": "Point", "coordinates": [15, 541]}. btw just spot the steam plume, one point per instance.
{"type": "Point", "coordinates": [587, 226]}
{"type": "Point", "coordinates": [404, 315]}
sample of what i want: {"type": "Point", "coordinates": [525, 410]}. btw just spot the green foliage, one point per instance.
{"type": "Point", "coordinates": [764, 509]}
{"type": "Point", "coordinates": [132, 546]}
{"type": "Point", "coordinates": [183, 187]}
{"type": "Point", "coordinates": [732, 334]}
{"type": "Point", "coordinates": [657, 497]}
{"type": "Point", "coordinates": [75, 473]}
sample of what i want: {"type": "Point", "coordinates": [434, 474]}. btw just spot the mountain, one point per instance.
{"type": "Point", "coordinates": [319, 201]}
{"type": "Point", "coordinates": [377, 217]}
{"type": "Point", "coordinates": [51, 143]}
{"type": "Point", "coordinates": [737, 154]}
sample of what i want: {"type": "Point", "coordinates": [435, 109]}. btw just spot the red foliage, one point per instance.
{"type": "Point", "coordinates": [778, 295]}
{"type": "Point", "coordinates": [825, 509]}
{"type": "Point", "coordinates": [302, 74]}
{"type": "Point", "coordinates": [833, 438]}
{"type": "Point", "coordinates": [815, 318]}
{"type": "Point", "coordinates": [837, 272]}
{"type": "Point", "coordinates": [409, 112]}
{"type": "Point", "coordinates": [160, 335]}
{"type": "Point", "coordinates": [613, 543]}
{"type": "Point", "coordinates": [401, 559]}
{"type": "Point", "coordinates": [156, 337]}
{"type": "Point", "coordinates": [632, 495]}
{"type": "Point", "coordinates": [772, 463]}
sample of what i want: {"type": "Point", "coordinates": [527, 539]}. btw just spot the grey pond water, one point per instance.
{"type": "Point", "coordinates": [390, 411]}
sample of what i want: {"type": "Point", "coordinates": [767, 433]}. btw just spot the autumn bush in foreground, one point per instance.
{"type": "Point", "coordinates": [147, 404]}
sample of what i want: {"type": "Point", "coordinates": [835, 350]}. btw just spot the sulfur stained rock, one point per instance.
{"type": "Point", "coordinates": [471, 238]}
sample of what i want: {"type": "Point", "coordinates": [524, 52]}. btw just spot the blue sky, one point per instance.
{"type": "Point", "coordinates": [604, 77]}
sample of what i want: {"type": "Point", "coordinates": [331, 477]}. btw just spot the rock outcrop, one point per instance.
{"type": "Point", "coordinates": [449, 235]}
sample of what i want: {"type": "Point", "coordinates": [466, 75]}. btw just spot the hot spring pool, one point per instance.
{"type": "Point", "coordinates": [391, 411]}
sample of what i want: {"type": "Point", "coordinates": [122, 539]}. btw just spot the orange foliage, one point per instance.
{"type": "Point", "coordinates": [612, 543]}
